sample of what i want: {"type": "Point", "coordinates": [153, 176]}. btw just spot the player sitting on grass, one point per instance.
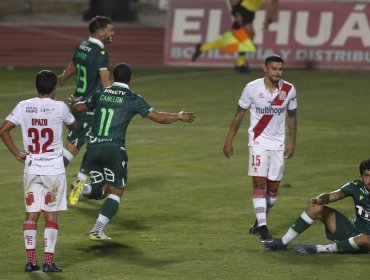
{"type": "Point", "coordinates": [349, 235]}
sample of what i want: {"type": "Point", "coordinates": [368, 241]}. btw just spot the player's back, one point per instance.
{"type": "Point", "coordinates": [41, 121]}
{"type": "Point", "coordinates": [90, 58]}
{"type": "Point", "coordinates": [115, 107]}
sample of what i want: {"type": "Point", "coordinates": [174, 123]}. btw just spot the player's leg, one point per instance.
{"type": "Point", "coordinates": [50, 239]}
{"type": "Point", "coordinates": [342, 231]}
{"type": "Point", "coordinates": [114, 162]}
{"type": "Point", "coordinates": [258, 166]}
{"type": "Point", "coordinates": [244, 18]}
{"type": "Point", "coordinates": [79, 137]}
{"type": "Point", "coordinates": [77, 187]}
{"type": "Point", "coordinates": [32, 191]}
{"type": "Point", "coordinates": [107, 212]}
{"type": "Point", "coordinates": [205, 47]}
{"type": "Point", "coordinates": [302, 223]}
{"type": "Point", "coordinates": [274, 176]}
{"type": "Point", "coordinates": [54, 197]}
{"type": "Point", "coordinates": [69, 152]}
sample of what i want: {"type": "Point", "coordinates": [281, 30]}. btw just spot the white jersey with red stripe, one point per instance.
{"type": "Point", "coordinates": [41, 121]}
{"type": "Point", "coordinates": [268, 110]}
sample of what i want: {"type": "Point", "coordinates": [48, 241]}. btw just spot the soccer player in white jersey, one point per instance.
{"type": "Point", "coordinates": [268, 99]}
{"type": "Point", "coordinates": [41, 120]}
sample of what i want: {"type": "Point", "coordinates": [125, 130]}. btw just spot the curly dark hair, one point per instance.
{"type": "Point", "coordinates": [365, 165]}
{"type": "Point", "coordinates": [98, 22]}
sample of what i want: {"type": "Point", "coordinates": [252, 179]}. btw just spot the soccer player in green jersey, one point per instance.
{"type": "Point", "coordinates": [106, 156]}
{"type": "Point", "coordinates": [90, 64]}
{"type": "Point", "coordinates": [348, 235]}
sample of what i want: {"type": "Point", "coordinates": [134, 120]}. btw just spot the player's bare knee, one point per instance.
{"type": "Point", "coordinates": [314, 210]}
{"type": "Point", "coordinates": [362, 240]}
{"type": "Point", "coordinates": [259, 183]}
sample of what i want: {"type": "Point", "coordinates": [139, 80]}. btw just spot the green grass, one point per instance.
{"type": "Point", "coordinates": [187, 209]}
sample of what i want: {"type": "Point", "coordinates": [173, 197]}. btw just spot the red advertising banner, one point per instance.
{"type": "Point", "coordinates": [312, 34]}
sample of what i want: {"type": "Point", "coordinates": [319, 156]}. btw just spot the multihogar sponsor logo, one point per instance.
{"type": "Point", "coordinates": [270, 110]}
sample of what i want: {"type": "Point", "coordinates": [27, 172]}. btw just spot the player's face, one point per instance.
{"type": "Point", "coordinates": [107, 34]}
{"type": "Point", "coordinates": [274, 71]}
{"type": "Point", "coordinates": [366, 178]}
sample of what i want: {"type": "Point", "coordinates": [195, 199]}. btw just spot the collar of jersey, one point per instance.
{"type": "Point", "coordinates": [117, 84]}
{"type": "Point", "coordinates": [97, 42]}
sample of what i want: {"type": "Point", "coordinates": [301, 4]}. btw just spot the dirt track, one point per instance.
{"type": "Point", "coordinates": [39, 46]}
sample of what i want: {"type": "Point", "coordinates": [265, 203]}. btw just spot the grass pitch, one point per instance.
{"type": "Point", "coordinates": [187, 209]}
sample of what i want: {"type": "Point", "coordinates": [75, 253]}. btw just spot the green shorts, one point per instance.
{"type": "Point", "coordinates": [107, 164]}
{"type": "Point", "coordinates": [344, 228]}
{"type": "Point", "coordinates": [79, 136]}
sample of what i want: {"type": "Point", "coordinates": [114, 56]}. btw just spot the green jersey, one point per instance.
{"type": "Point", "coordinates": [114, 108]}
{"type": "Point", "coordinates": [89, 59]}
{"type": "Point", "coordinates": [361, 199]}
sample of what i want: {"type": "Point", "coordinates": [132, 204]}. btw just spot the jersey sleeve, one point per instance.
{"type": "Point", "coordinates": [347, 189]}
{"type": "Point", "coordinates": [293, 100]}
{"type": "Point", "coordinates": [245, 100]}
{"type": "Point", "coordinates": [142, 107]}
{"type": "Point", "coordinates": [14, 115]}
{"type": "Point", "coordinates": [68, 118]}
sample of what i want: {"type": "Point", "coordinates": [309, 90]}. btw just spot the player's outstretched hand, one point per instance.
{"type": "Point", "coordinates": [186, 116]}
{"type": "Point", "coordinates": [72, 101]}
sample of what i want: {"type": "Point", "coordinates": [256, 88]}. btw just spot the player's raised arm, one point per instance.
{"type": "Point", "coordinates": [68, 72]}
{"type": "Point", "coordinates": [166, 118]}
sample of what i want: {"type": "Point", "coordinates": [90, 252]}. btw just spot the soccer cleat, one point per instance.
{"type": "Point", "coordinates": [243, 69]}
{"type": "Point", "coordinates": [264, 233]}
{"type": "Point", "coordinates": [76, 192]}
{"type": "Point", "coordinates": [197, 52]}
{"type": "Point", "coordinates": [254, 229]}
{"type": "Point", "coordinates": [274, 245]}
{"type": "Point", "coordinates": [98, 236]}
{"type": "Point", "coordinates": [305, 249]}
{"type": "Point", "coordinates": [30, 267]}
{"type": "Point", "coordinates": [51, 268]}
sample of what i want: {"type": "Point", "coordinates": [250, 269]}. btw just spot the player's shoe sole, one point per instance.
{"type": "Point", "coordinates": [76, 192]}
{"type": "Point", "coordinates": [98, 236]}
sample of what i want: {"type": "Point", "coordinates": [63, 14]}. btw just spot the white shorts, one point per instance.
{"type": "Point", "coordinates": [266, 163]}
{"type": "Point", "coordinates": [45, 192]}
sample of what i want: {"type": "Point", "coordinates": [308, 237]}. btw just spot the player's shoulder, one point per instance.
{"type": "Point", "coordinates": [256, 82]}
{"type": "Point", "coordinates": [352, 185]}
{"type": "Point", "coordinates": [27, 102]}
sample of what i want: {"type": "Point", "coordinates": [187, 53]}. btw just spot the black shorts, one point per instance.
{"type": "Point", "coordinates": [247, 15]}
{"type": "Point", "coordinates": [107, 163]}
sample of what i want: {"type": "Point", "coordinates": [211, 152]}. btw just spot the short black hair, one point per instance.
{"type": "Point", "coordinates": [122, 73]}
{"type": "Point", "coordinates": [365, 165]}
{"type": "Point", "coordinates": [98, 22]}
{"type": "Point", "coordinates": [46, 81]}
{"type": "Point", "coordinates": [274, 58]}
